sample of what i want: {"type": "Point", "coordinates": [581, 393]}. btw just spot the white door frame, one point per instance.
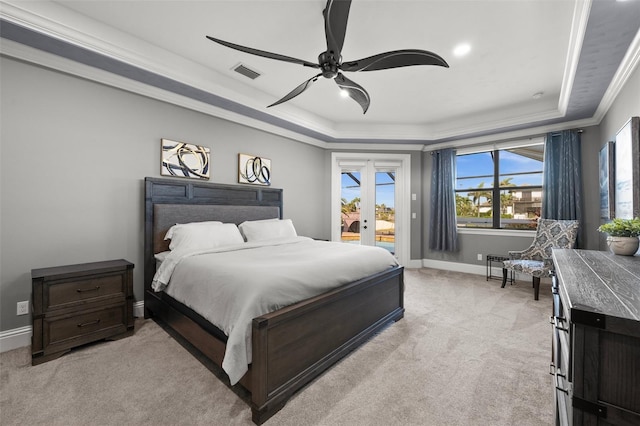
{"type": "Point", "coordinates": [402, 202]}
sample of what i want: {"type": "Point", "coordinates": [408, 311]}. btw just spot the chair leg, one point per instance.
{"type": "Point", "coordinates": [536, 287]}
{"type": "Point", "coordinates": [504, 277]}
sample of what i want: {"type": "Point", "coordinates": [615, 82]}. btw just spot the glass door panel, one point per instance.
{"type": "Point", "coordinates": [385, 210]}
{"type": "Point", "coordinates": [351, 196]}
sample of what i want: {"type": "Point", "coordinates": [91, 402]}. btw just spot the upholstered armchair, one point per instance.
{"type": "Point", "coordinates": [536, 259]}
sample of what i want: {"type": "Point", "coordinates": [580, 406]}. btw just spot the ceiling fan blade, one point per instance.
{"type": "Point", "coordinates": [264, 53]}
{"type": "Point", "coordinates": [355, 91]}
{"type": "Point", "coordinates": [395, 59]}
{"type": "Point", "coordinates": [336, 14]}
{"type": "Point", "coordinates": [295, 92]}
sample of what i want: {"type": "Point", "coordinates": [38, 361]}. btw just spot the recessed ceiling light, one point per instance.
{"type": "Point", "coordinates": [462, 49]}
{"type": "Point", "coordinates": [537, 95]}
{"type": "Point", "coordinates": [344, 93]}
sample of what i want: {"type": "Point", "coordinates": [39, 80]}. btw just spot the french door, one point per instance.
{"type": "Point", "coordinates": [369, 201]}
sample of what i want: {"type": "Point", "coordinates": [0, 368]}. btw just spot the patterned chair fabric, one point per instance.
{"type": "Point", "coordinates": [536, 259]}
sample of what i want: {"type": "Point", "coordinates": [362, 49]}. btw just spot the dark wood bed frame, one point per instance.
{"type": "Point", "coordinates": [291, 346]}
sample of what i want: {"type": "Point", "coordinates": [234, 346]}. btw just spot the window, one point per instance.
{"type": "Point", "coordinates": [500, 188]}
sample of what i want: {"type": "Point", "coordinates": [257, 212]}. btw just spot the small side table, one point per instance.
{"type": "Point", "coordinates": [497, 258]}
{"type": "Point", "coordinates": [77, 304]}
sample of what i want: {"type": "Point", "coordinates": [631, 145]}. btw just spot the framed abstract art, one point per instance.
{"type": "Point", "coordinates": [254, 169]}
{"type": "Point", "coordinates": [180, 159]}
{"type": "Point", "coordinates": [607, 184]}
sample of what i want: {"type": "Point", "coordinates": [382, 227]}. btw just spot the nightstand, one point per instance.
{"type": "Point", "coordinates": [78, 304]}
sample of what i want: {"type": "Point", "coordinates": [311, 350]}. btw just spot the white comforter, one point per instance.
{"type": "Point", "coordinates": [233, 285]}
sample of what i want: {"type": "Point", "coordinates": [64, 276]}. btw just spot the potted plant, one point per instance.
{"type": "Point", "coordinates": [623, 235]}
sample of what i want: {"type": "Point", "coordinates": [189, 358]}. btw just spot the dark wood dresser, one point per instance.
{"type": "Point", "coordinates": [596, 338]}
{"type": "Point", "coordinates": [77, 304]}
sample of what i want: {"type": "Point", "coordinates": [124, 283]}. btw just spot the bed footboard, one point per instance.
{"type": "Point", "coordinates": [294, 345]}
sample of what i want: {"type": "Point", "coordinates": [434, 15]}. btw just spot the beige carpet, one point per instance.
{"type": "Point", "coordinates": [466, 353]}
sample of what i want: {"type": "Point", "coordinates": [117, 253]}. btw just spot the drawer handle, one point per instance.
{"type": "Point", "coordinates": [555, 321]}
{"type": "Point", "coordinates": [84, 324]}
{"type": "Point", "coordinates": [84, 290]}
{"type": "Point", "coordinates": [554, 371]}
{"type": "Point", "coordinates": [566, 391]}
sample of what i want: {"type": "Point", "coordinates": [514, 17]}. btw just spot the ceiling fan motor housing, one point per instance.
{"type": "Point", "coordinates": [328, 64]}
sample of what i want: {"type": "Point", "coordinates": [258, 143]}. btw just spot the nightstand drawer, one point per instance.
{"type": "Point", "coordinates": [77, 304]}
{"type": "Point", "coordinates": [67, 293]}
{"type": "Point", "coordinates": [67, 330]}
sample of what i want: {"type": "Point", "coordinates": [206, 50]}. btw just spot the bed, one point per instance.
{"type": "Point", "coordinates": [290, 346]}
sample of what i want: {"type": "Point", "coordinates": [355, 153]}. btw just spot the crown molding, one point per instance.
{"type": "Point", "coordinates": [626, 68]}
{"type": "Point", "coordinates": [576, 38]}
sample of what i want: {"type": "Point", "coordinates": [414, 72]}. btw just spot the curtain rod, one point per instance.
{"type": "Point", "coordinates": [577, 130]}
{"type": "Point", "coordinates": [558, 131]}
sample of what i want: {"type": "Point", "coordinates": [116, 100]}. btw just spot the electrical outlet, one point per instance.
{"type": "Point", "coordinates": [479, 256]}
{"type": "Point", "coordinates": [23, 308]}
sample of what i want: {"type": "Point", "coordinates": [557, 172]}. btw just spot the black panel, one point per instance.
{"type": "Point", "coordinates": [224, 195]}
{"type": "Point", "coordinates": [169, 191]}
{"type": "Point", "coordinates": [581, 315]}
{"type": "Point", "coordinates": [272, 195]}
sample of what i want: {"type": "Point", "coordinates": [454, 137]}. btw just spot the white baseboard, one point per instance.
{"type": "Point", "coordinates": [138, 309]}
{"type": "Point", "coordinates": [473, 269]}
{"type": "Point", "coordinates": [21, 337]}
{"type": "Point", "coordinates": [16, 338]}
{"type": "Point", "coordinates": [414, 264]}
{"type": "Point", "coordinates": [455, 266]}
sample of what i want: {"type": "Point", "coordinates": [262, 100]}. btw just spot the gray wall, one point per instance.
{"type": "Point", "coordinates": [74, 156]}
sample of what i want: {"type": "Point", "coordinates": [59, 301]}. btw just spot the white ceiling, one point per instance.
{"type": "Point", "coordinates": [518, 48]}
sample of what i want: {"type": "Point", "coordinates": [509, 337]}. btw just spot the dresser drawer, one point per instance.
{"type": "Point", "coordinates": [71, 330]}
{"type": "Point", "coordinates": [63, 294]}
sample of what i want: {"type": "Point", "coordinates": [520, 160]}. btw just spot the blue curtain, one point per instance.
{"type": "Point", "coordinates": [443, 234]}
{"type": "Point", "coordinates": [562, 188]}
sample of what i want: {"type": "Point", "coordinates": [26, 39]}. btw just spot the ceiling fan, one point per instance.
{"type": "Point", "coordinates": [336, 14]}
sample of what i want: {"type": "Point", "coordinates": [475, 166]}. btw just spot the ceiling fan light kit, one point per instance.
{"type": "Point", "coordinates": [336, 15]}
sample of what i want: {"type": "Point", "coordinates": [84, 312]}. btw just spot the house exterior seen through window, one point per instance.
{"type": "Point", "coordinates": [500, 188]}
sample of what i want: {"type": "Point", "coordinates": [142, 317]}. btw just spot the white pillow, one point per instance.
{"type": "Point", "coordinates": [171, 230]}
{"type": "Point", "coordinates": [200, 237]}
{"type": "Point", "coordinates": [269, 229]}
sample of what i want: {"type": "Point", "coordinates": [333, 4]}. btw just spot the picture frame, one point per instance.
{"type": "Point", "coordinates": [627, 170]}
{"type": "Point", "coordinates": [607, 181]}
{"type": "Point", "coordinates": [253, 169]}
{"type": "Point", "coordinates": [181, 159]}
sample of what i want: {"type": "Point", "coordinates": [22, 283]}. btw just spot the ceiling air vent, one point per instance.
{"type": "Point", "coordinates": [246, 71]}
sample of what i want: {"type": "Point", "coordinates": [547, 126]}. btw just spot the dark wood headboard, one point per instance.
{"type": "Point", "coordinates": [171, 201]}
